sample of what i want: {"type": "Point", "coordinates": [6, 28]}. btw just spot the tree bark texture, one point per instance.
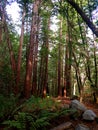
{"type": "Point", "coordinates": [29, 67]}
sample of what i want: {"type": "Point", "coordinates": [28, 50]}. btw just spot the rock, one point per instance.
{"type": "Point", "coordinates": [89, 115]}
{"type": "Point", "coordinates": [82, 127]}
{"type": "Point", "coordinates": [75, 104]}
{"type": "Point", "coordinates": [64, 126]}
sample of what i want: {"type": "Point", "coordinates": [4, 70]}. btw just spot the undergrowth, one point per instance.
{"type": "Point", "coordinates": [7, 104]}
{"type": "Point", "coordinates": [35, 114]}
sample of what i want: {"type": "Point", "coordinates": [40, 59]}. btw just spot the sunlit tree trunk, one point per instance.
{"type": "Point", "coordinates": [80, 82]}
{"type": "Point", "coordinates": [29, 67]}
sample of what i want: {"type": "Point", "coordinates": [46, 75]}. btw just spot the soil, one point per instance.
{"type": "Point", "coordinates": [93, 125]}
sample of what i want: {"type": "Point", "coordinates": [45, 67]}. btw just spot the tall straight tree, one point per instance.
{"type": "Point", "coordinates": [68, 55]}
{"type": "Point", "coordinates": [35, 60]}
{"type": "Point", "coordinates": [29, 66]}
{"type": "Point", "coordinates": [24, 6]}
{"type": "Point", "coordinates": [45, 88]}
{"type": "Point", "coordinates": [43, 74]}
{"type": "Point", "coordinates": [59, 60]}
{"type": "Point", "coordinates": [44, 52]}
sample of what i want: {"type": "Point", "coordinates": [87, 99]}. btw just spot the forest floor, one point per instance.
{"type": "Point", "coordinates": [64, 102]}
{"type": "Point", "coordinates": [93, 125]}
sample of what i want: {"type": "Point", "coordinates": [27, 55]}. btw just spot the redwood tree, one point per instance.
{"type": "Point", "coordinates": [33, 35]}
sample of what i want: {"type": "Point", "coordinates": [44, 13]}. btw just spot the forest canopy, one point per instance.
{"type": "Point", "coordinates": [42, 61]}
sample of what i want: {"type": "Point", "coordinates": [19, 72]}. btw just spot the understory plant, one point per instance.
{"type": "Point", "coordinates": [35, 114]}
{"type": "Point", "coordinates": [7, 105]}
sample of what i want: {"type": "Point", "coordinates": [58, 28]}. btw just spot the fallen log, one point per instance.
{"type": "Point", "coordinates": [64, 126]}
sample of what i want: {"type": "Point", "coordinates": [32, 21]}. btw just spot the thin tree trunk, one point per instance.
{"type": "Point", "coordinates": [20, 54]}
{"type": "Point", "coordinates": [1, 31]}
{"type": "Point", "coordinates": [96, 70]}
{"type": "Point", "coordinates": [59, 61]}
{"type": "Point", "coordinates": [78, 77]}
{"type": "Point", "coordinates": [40, 77]}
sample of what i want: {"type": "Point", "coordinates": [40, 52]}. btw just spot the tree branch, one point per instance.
{"type": "Point", "coordinates": [84, 16]}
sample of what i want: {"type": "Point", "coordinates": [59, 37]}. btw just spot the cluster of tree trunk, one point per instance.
{"type": "Point", "coordinates": [35, 84]}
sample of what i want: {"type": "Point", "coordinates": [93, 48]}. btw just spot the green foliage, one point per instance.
{"type": "Point", "coordinates": [7, 104]}
{"type": "Point", "coordinates": [37, 104]}
{"type": "Point", "coordinates": [24, 121]}
{"type": "Point", "coordinates": [39, 118]}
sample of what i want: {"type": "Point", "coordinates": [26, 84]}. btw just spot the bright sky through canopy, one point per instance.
{"type": "Point", "coordinates": [13, 10]}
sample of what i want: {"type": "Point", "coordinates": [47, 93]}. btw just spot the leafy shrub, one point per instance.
{"type": "Point", "coordinates": [7, 104]}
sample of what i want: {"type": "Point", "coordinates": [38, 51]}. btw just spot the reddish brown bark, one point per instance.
{"type": "Point", "coordinates": [35, 60]}
{"type": "Point", "coordinates": [29, 67]}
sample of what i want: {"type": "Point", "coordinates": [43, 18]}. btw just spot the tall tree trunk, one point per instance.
{"type": "Point", "coordinates": [78, 77]}
{"type": "Point", "coordinates": [68, 57]}
{"type": "Point", "coordinates": [59, 61]}
{"type": "Point", "coordinates": [45, 88]}
{"type": "Point", "coordinates": [40, 77]}
{"type": "Point", "coordinates": [29, 67]}
{"type": "Point", "coordinates": [35, 60]}
{"type": "Point", "coordinates": [67, 73]}
{"type": "Point", "coordinates": [20, 54]}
